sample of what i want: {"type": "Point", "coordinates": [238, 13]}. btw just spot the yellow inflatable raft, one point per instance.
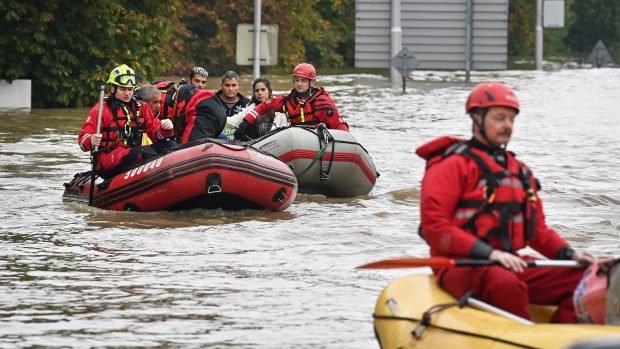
{"type": "Point", "coordinates": [402, 306]}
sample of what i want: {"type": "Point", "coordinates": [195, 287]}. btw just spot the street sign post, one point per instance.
{"type": "Point", "coordinates": [553, 14]}
{"type": "Point", "coordinates": [405, 62]}
{"type": "Point", "coordinates": [600, 55]}
{"type": "Point", "coordinates": [268, 44]}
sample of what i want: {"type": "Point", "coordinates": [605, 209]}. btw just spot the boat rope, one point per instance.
{"type": "Point", "coordinates": [79, 179]}
{"type": "Point", "coordinates": [319, 155]}
{"type": "Point", "coordinates": [326, 137]}
{"type": "Point", "coordinates": [311, 129]}
{"type": "Point", "coordinates": [452, 330]}
{"type": "Point", "coordinates": [425, 322]}
{"type": "Point", "coordinates": [426, 318]}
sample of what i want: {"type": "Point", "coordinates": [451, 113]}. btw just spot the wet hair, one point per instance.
{"type": "Point", "coordinates": [147, 92]}
{"type": "Point", "coordinates": [198, 71]}
{"type": "Point", "coordinates": [229, 75]}
{"type": "Point", "coordinates": [267, 85]}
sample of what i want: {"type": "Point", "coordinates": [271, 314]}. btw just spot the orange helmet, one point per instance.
{"type": "Point", "coordinates": [305, 70]}
{"type": "Point", "coordinates": [492, 94]}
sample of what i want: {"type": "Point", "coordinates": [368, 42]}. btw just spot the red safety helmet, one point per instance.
{"type": "Point", "coordinates": [305, 70]}
{"type": "Point", "coordinates": [492, 94]}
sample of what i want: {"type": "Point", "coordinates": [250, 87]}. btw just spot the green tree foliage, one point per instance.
{"type": "Point", "coordinates": [594, 20]}
{"type": "Point", "coordinates": [316, 31]}
{"type": "Point", "coordinates": [68, 48]}
{"type": "Point", "coordinates": [554, 46]}
{"type": "Point", "coordinates": [341, 16]}
{"type": "Point", "coordinates": [521, 22]}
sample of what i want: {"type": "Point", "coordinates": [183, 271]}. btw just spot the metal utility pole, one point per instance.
{"type": "Point", "coordinates": [396, 37]}
{"type": "Point", "coordinates": [538, 50]}
{"type": "Point", "coordinates": [257, 16]}
{"type": "Point", "coordinates": [469, 38]}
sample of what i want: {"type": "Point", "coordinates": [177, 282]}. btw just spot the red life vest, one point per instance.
{"type": "Point", "coordinates": [169, 100]}
{"type": "Point", "coordinates": [126, 126]}
{"type": "Point", "coordinates": [502, 208]}
{"type": "Point", "coordinates": [174, 105]}
{"type": "Point", "coordinates": [314, 108]}
{"type": "Point", "coordinates": [302, 111]}
{"type": "Point", "coordinates": [163, 86]}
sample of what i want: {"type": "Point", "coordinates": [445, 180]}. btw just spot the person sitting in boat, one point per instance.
{"type": "Point", "coordinates": [305, 105]}
{"type": "Point", "coordinates": [232, 101]}
{"type": "Point", "coordinates": [197, 113]}
{"type": "Point", "coordinates": [199, 77]}
{"type": "Point", "coordinates": [163, 86]}
{"type": "Point", "coordinates": [150, 95]}
{"type": "Point", "coordinates": [124, 120]}
{"type": "Point", "coordinates": [261, 91]}
{"type": "Point", "coordinates": [478, 201]}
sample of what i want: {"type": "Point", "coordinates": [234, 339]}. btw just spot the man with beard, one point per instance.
{"type": "Point", "coordinates": [478, 201]}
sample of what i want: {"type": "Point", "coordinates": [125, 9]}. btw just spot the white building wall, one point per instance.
{"type": "Point", "coordinates": [16, 95]}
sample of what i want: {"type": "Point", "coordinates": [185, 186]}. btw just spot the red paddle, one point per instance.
{"type": "Point", "coordinates": [442, 262]}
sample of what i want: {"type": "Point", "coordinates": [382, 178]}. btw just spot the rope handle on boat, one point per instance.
{"type": "Point", "coordinates": [326, 137]}
{"type": "Point", "coordinates": [214, 189]}
{"type": "Point", "coordinates": [426, 318]}
{"type": "Point", "coordinates": [319, 155]}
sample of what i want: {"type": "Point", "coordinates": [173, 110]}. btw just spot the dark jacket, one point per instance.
{"type": "Point", "coordinates": [235, 108]}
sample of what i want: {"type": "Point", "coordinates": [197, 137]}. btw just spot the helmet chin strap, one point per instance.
{"type": "Point", "coordinates": [112, 95]}
{"type": "Point", "coordinates": [306, 95]}
{"type": "Point", "coordinates": [483, 131]}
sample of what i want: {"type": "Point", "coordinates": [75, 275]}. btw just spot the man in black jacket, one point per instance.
{"type": "Point", "coordinates": [232, 101]}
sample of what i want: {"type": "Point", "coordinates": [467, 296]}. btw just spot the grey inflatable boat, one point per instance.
{"type": "Point", "coordinates": [325, 161]}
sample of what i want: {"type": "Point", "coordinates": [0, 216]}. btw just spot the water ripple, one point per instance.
{"type": "Point", "coordinates": [74, 276]}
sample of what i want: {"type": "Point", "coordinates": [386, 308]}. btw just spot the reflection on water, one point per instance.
{"type": "Point", "coordinates": [77, 276]}
{"type": "Point", "coordinates": [189, 218]}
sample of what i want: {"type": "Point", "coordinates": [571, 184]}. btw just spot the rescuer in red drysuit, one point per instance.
{"type": "Point", "coordinates": [305, 105]}
{"type": "Point", "coordinates": [478, 201]}
{"type": "Point", "coordinates": [124, 121]}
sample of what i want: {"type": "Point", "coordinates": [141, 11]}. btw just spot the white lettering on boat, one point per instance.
{"type": "Point", "coordinates": [144, 168]}
{"type": "Point", "coordinates": [270, 158]}
{"type": "Point", "coordinates": [269, 146]}
{"type": "Point", "coordinates": [140, 169]}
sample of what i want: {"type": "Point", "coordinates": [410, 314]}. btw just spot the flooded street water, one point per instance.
{"type": "Point", "coordinates": [74, 276]}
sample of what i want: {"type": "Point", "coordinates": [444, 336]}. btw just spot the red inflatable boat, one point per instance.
{"type": "Point", "coordinates": [207, 175]}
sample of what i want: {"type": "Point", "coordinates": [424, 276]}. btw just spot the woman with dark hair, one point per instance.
{"type": "Point", "coordinates": [261, 91]}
